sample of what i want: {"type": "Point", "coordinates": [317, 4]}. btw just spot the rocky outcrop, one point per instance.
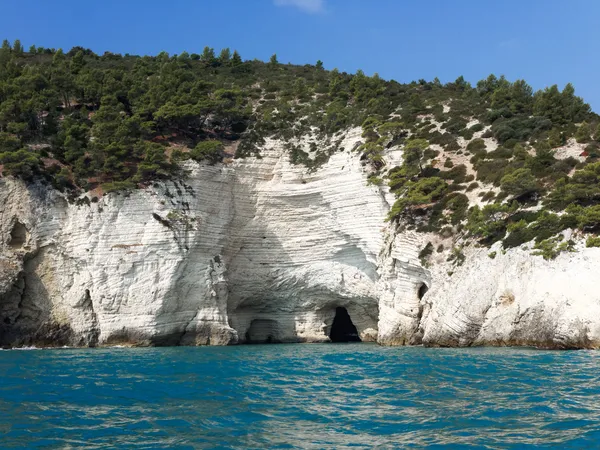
{"type": "Point", "coordinates": [261, 250]}
{"type": "Point", "coordinates": [516, 299]}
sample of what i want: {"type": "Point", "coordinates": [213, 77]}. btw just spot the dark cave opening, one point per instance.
{"type": "Point", "coordinates": [342, 329]}
{"type": "Point", "coordinates": [422, 291]}
{"type": "Point", "coordinates": [18, 235]}
{"type": "Point", "coordinates": [263, 331]}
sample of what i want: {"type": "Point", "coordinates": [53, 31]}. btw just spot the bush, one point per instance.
{"type": "Point", "coordinates": [592, 241]}
{"type": "Point", "coordinates": [211, 151]}
{"type": "Point", "coordinates": [551, 248]}
{"type": "Point", "coordinates": [477, 127]}
{"type": "Point", "coordinates": [519, 183]}
{"type": "Point", "coordinates": [457, 174]}
{"type": "Point", "coordinates": [583, 133]}
{"type": "Point", "coordinates": [476, 145]}
{"type": "Point", "coordinates": [21, 163]}
{"type": "Point", "coordinates": [425, 254]}
{"type": "Point", "coordinates": [452, 146]}
{"type": "Point", "coordinates": [491, 171]}
{"type": "Point", "coordinates": [115, 186]}
{"type": "Point", "coordinates": [472, 186]}
{"type": "Point", "coordinates": [489, 195]}
{"type": "Point", "coordinates": [422, 192]}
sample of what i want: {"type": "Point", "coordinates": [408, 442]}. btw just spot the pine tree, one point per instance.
{"type": "Point", "coordinates": [555, 138]}
{"type": "Point", "coordinates": [597, 133]}
{"type": "Point", "coordinates": [18, 48]}
{"type": "Point", "coordinates": [225, 56]}
{"type": "Point", "coordinates": [236, 59]}
{"type": "Point", "coordinates": [273, 60]}
{"type": "Point", "coordinates": [583, 133]}
{"type": "Point", "coordinates": [208, 56]}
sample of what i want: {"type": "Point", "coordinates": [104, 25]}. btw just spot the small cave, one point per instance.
{"type": "Point", "coordinates": [18, 235]}
{"type": "Point", "coordinates": [422, 291]}
{"type": "Point", "coordinates": [263, 331]}
{"type": "Point", "coordinates": [342, 329]}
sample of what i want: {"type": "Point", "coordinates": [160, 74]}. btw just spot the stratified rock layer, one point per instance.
{"type": "Point", "coordinates": [262, 250]}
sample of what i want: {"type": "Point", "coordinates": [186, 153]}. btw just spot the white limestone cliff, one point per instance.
{"type": "Point", "coordinates": [264, 250]}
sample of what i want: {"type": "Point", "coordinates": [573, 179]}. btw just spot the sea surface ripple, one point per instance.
{"type": "Point", "coordinates": [299, 396]}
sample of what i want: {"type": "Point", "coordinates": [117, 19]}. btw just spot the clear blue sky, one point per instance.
{"type": "Point", "coordinates": [543, 41]}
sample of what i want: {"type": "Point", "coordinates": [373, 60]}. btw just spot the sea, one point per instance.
{"type": "Point", "coordinates": [297, 396]}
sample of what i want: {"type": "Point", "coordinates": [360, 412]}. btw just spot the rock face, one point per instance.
{"type": "Point", "coordinates": [261, 250]}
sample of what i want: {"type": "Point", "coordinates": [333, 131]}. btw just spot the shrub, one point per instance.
{"type": "Point", "coordinates": [457, 256]}
{"type": "Point", "coordinates": [489, 195]}
{"type": "Point", "coordinates": [583, 133]}
{"type": "Point", "coordinates": [211, 151]}
{"type": "Point", "coordinates": [425, 254]}
{"type": "Point", "coordinates": [115, 186]}
{"type": "Point", "coordinates": [456, 174]}
{"type": "Point", "coordinates": [20, 163]}
{"type": "Point", "coordinates": [491, 171]}
{"type": "Point", "coordinates": [476, 145]}
{"type": "Point", "coordinates": [592, 241]}
{"type": "Point", "coordinates": [519, 183]}
{"type": "Point", "coordinates": [467, 133]}
{"type": "Point", "coordinates": [424, 191]}
{"type": "Point", "coordinates": [552, 247]}
{"type": "Point", "coordinates": [452, 146]}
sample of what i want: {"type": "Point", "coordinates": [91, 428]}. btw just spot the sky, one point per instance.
{"type": "Point", "coordinates": [544, 42]}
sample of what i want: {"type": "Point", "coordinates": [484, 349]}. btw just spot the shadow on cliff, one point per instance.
{"type": "Point", "coordinates": [27, 317]}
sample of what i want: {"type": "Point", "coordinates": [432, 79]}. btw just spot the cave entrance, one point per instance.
{"type": "Point", "coordinates": [422, 291]}
{"type": "Point", "coordinates": [263, 331]}
{"type": "Point", "coordinates": [18, 235]}
{"type": "Point", "coordinates": [342, 329]}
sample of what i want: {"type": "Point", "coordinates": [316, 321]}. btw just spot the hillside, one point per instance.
{"type": "Point", "coordinates": [492, 162]}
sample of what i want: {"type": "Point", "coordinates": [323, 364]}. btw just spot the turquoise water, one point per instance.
{"type": "Point", "coordinates": [299, 396]}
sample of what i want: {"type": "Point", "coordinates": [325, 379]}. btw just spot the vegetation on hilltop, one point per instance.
{"type": "Point", "coordinates": [81, 120]}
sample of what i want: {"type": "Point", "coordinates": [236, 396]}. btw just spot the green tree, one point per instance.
{"type": "Point", "coordinates": [489, 223]}
{"type": "Point", "coordinates": [18, 48]}
{"type": "Point", "coordinates": [225, 56]}
{"type": "Point", "coordinates": [236, 59]}
{"type": "Point", "coordinates": [423, 192]}
{"type": "Point", "coordinates": [583, 133]}
{"type": "Point", "coordinates": [208, 56]}
{"type": "Point", "coordinates": [273, 60]}
{"type": "Point", "coordinates": [211, 151]}
{"type": "Point", "coordinates": [21, 163]}
{"type": "Point", "coordinates": [154, 165]}
{"type": "Point", "coordinates": [555, 138]}
{"type": "Point", "coordinates": [414, 154]}
{"type": "Point", "coordinates": [597, 133]}
{"type": "Point", "coordinates": [519, 183]}
{"type": "Point", "coordinates": [319, 64]}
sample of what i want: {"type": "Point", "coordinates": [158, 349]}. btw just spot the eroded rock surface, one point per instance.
{"type": "Point", "coordinates": [261, 250]}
